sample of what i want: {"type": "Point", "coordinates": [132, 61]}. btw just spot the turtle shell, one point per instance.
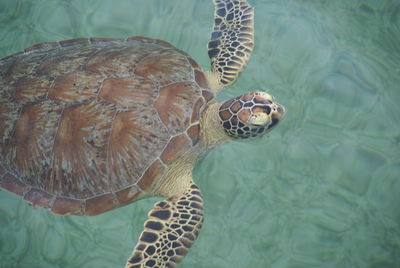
{"type": "Point", "coordinates": [87, 125]}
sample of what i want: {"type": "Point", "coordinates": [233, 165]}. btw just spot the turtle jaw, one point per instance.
{"type": "Point", "coordinates": [250, 115]}
{"type": "Point", "coordinates": [264, 118]}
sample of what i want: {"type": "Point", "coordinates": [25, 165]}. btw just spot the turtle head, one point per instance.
{"type": "Point", "coordinates": [250, 115]}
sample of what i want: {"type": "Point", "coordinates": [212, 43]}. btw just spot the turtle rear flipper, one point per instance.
{"type": "Point", "coordinates": [172, 226]}
{"type": "Point", "coordinates": [231, 42]}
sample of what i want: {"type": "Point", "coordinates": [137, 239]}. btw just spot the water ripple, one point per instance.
{"type": "Point", "coordinates": [319, 191]}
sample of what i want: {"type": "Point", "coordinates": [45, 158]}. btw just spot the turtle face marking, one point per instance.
{"type": "Point", "coordinates": [250, 115]}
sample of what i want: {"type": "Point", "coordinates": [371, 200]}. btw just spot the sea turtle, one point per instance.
{"type": "Point", "coordinates": [89, 125]}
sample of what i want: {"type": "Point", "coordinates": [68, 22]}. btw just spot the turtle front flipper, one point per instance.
{"type": "Point", "coordinates": [232, 41]}
{"type": "Point", "coordinates": [172, 226]}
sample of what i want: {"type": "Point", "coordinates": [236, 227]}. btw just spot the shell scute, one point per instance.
{"type": "Point", "coordinates": [99, 204]}
{"type": "Point", "coordinates": [40, 198]}
{"type": "Point", "coordinates": [118, 60]}
{"type": "Point", "coordinates": [12, 184]}
{"type": "Point", "coordinates": [196, 110]}
{"type": "Point", "coordinates": [87, 125]}
{"type": "Point", "coordinates": [74, 42]}
{"type": "Point", "coordinates": [127, 195]}
{"type": "Point", "coordinates": [105, 40]}
{"type": "Point", "coordinates": [136, 136]}
{"type": "Point", "coordinates": [42, 47]}
{"type": "Point", "coordinates": [67, 206]}
{"type": "Point", "coordinates": [63, 61]}
{"type": "Point", "coordinates": [201, 79]}
{"type": "Point", "coordinates": [176, 147]}
{"type": "Point", "coordinates": [31, 89]}
{"type": "Point", "coordinates": [148, 40]}
{"type": "Point", "coordinates": [207, 95]}
{"type": "Point", "coordinates": [33, 135]}
{"type": "Point", "coordinates": [2, 171]}
{"type": "Point", "coordinates": [175, 103]}
{"type": "Point", "coordinates": [165, 67]}
{"type": "Point", "coordinates": [194, 133]}
{"type": "Point", "coordinates": [22, 65]}
{"type": "Point", "coordinates": [79, 156]}
{"type": "Point", "coordinates": [132, 91]}
{"type": "Point", "coordinates": [9, 114]}
{"type": "Point", "coordinates": [75, 87]}
{"type": "Point", "coordinates": [150, 175]}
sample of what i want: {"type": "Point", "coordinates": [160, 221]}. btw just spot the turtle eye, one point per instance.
{"type": "Point", "coordinates": [267, 109]}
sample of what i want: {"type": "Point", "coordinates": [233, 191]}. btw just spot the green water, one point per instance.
{"type": "Point", "coordinates": [320, 190]}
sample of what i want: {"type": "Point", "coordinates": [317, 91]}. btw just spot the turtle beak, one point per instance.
{"type": "Point", "coordinates": [277, 114]}
{"type": "Point", "coordinates": [278, 111]}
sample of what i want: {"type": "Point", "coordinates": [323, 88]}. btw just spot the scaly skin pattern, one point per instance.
{"type": "Point", "coordinates": [232, 40]}
{"type": "Point", "coordinates": [169, 232]}
{"type": "Point", "coordinates": [250, 115]}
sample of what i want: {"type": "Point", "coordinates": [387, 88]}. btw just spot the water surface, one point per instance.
{"type": "Point", "coordinates": [320, 190]}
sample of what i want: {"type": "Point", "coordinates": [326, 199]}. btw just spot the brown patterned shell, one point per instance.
{"type": "Point", "coordinates": [87, 125]}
